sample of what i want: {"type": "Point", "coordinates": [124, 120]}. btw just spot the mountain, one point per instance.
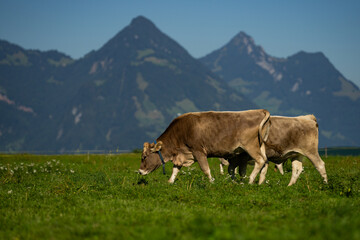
{"type": "Point", "coordinates": [118, 96]}
{"type": "Point", "coordinates": [299, 84]}
{"type": "Point", "coordinates": [27, 94]}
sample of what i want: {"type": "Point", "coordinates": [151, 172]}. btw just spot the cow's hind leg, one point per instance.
{"type": "Point", "coordinates": [204, 164]}
{"type": "Point", "coordinates": [263, 172]}
{"type": "Point", "coordinates": [260, 160]}
{"type": "Point", "coordinates": [223, 163]}
{"type": "Point", "coordinates": [319, 164]}
{"type": "Point", "coordinates": [280, 168]}
{"type": "Point", "coordinates": [221, 169]}
{"type": "Point", "coordinates": [259, 163]}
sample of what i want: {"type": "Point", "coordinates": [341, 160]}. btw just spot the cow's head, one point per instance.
{"type": "Point", "coordinates": [150, 158]}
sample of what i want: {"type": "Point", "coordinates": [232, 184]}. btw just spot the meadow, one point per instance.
{"type": "Point", "coordinates": [101, 197]}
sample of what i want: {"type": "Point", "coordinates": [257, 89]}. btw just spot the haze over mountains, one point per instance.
{"type": "Point", "coordinates": [129, 90]}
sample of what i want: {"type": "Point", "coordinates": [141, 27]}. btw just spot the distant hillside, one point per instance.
{"type": "Point", "coordinates": [118, 96]}
{"type": "Point", "coordinates": [29, 95]}
{"type": "Point", "coordinates": [300, 84]}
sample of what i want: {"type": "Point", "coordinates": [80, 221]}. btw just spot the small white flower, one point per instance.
{"type": "Point", "coordinates": [10, 191]}
{"type": "Point", "coordinates": [11, 172]}
{"type": "Point", "coordinates": [1, 168]}
{"type": "Point", "coordinates": [72, 171]}
{"type": "Point", "coordinates": [34, 171]}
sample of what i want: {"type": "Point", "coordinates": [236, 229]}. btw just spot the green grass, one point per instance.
{"type": "Point", "coordinates": [101, 197]}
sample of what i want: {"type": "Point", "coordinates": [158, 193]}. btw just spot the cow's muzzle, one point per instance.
{"type": "Point", "coordinates": [142, 172]}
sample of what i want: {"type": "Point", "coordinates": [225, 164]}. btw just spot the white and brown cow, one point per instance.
{"type": "Point", "coordinates": [289, 138]}
{"type": "Point", "coordinates": [196, 136]}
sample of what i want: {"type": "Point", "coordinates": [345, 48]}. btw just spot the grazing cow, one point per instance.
{"type": "Point", "coordinates": [289, 137]}
{"type": "Point", "coordinates": [196, 136]}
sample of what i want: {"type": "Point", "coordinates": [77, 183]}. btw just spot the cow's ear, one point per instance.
{"type": "Point", "coordinates": [146, 146]}
{"type": "Point", "coordinates": [157, 147]}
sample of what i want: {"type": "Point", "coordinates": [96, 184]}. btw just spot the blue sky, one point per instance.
{"type": "Point", "coordinates": [282, 28]}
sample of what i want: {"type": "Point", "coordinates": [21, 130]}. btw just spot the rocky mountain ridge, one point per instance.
{"type": "Point", "coordinates": [304, 83]}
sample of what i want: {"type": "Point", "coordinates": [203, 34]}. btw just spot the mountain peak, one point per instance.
{"type": "Point", "coordinates": [141, 21]}
{"type": "Point", "coordinates": [242, 38]}
{"type": "Point", "coordinates": [137, 34]}
{"type": "Point", "coordinates": [245, 44]}
{"type": "Point", "coordinates": [242, 34]}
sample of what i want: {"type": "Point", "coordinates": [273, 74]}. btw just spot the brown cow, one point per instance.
{"type": "Point", "coordinates": [196, 136]}
{"type": "Point", "coordinates": [289, 137]}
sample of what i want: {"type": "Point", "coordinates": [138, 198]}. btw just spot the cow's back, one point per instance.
{"type": "Point", "coordinates": [216, 133]}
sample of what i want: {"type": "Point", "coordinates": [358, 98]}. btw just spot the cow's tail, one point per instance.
{"type": "Point", "coordinates": [264, 125]}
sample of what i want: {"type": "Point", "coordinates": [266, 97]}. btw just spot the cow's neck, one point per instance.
{"type": "Point", "coordinates": [167, 156]}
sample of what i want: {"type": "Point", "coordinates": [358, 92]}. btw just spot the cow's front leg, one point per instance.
{"type": "Point", "coordinates": [237, 166]}
{"type": "Point", "coordinates": [231, 170]}
{"type": "Point", "coordinates": [240, 161]}
{"type": "Point", "coordinates": [204, 164]}
{"type": "Point", "coordinates": [243, 167]}
{"type": "Point", "coordinates": [175, 172]}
